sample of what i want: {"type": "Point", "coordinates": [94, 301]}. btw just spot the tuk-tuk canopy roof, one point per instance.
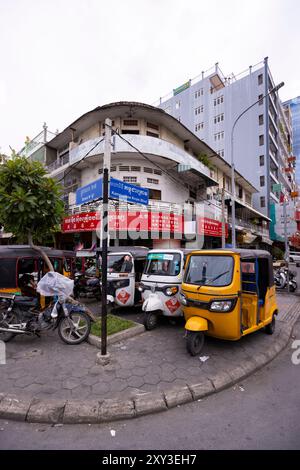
{"type": "Point", "coordinates": [25, 251]}
{"type": "Point", "coordinates": [135, 251]}
{"type": "Point", "coordinates": [244, 253]}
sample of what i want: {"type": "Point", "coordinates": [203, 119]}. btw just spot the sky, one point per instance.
{"type": "Point", "coordinates": [62, 58]}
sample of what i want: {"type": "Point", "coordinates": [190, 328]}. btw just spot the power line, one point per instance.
{"type": "Point", "coordinates": [81, 160]}
{"type": "Point", "coordinates": [162, 169]}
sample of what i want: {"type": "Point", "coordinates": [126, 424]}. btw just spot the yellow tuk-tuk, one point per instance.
{"type": "Point", "coordinates": [227, 294]}
{"type": "Point", "coordinates": [18, 262]}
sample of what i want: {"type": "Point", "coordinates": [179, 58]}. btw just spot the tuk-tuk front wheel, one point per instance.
{"type": "Point", "coordinates": [194, 342]}
{"type": "Point", "coordinates": [150, 320]}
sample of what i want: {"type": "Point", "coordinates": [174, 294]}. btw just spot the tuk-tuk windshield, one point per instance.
{"type": "Point", "coordinates": [209, 270]}
{"type": "Point", "coordinates": [163, 264]}
{"type": "Point", "coordinates": [117, 263]}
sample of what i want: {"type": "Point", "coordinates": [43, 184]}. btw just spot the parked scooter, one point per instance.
{"type": "Point", "coordinates": [281, 277]}
{"type": "Point", "coordinates": [86, 286]}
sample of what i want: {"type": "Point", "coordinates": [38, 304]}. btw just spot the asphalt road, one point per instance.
{"type": "Point", "coordinates": [263, 412]}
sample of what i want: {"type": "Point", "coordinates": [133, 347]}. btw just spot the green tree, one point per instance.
{"type": "Point", "coordinates": [30, 202]}
{"type": "Point", "coordinates": [203, 158]}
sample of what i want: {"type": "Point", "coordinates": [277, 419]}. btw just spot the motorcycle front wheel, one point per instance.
{"type": "Point", "coordinates": [75, 328]}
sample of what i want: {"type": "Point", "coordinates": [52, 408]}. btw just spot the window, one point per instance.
{"type": "Point", "coordinates": [148, 170]}
{"type": "Point", "coordinates": [198, 93]}
{"type": "Point", "coordinates": [261, 119]}
{"type": "Point", "coordinates": [219, 135]}
{"type": "Point", "coordinates": [262, 181]}
{"type": "Point", "coordinates": [199, 109]}
{"type": "Point", "coordinates": [130, 131]}
{"type": "Point", "coordinates": [260, 97]}
{"type": "Point", "coordinates": [261, 139]}
{"type": "Point", "coordinates": [240, 192]}
{"type": "Point", "coordinates": [261, 160]}
{"type": "Point", "coordinates": [152, 126]}
{"type": "Point", "coordinates": [221, 153]}
{"type": "Point", "coordinates": [152, 134]}
{"type": "Point", "coordinates": [177, 105]}
{"type": "Point", "coordinates": [130, 122]}
{"type": "Point", "coordinates": [155, 194]}
{"type": "Point", "coordinates": [262, 201]}
{"type": "Point", "coordinates": [129, 179]}
{"type": "Point", "coordinates": [260, 79]}
{"type": "Point", "coordinates": [152, 181]}
{"type": "Point", "coordinates": [124, 168]}
{"type": "Point", "coordinates": [219, 118]}
{"type": "Point", "coordinates": [192, 194]}
{"type": "Point", "coordinates": [248, 198]}
{"type": "Point", "coordinates": [135, 168]}
{"type": "Point", "coordinates": [209, 270]}
{"type": "Point", "coordinates": [218, 100]}
{"type": "Point", "coordinates": [113, 168]}
{"type": "Point", "coordinates": [199, 126]}
{"type": "Point", "coordinates": [157, 172]}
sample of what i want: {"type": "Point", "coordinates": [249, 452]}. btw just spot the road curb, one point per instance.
{"type": "Point", "coordinates": [117, 337]}
{"type": "Point", "coordinates": [93, 411]}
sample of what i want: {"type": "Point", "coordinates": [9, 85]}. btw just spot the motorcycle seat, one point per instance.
{"type": "Point", "coordinates": [92, 282]}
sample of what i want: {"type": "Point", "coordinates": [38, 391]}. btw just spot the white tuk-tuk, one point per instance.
{"type": "Point", "coordinates": [125, 266]}
{"type": "Point", "coordinates": [160, 284]}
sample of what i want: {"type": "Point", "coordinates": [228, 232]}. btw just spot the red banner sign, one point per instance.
{"type": "Point", "coordinates": [210, 227]}
{"type": "Point", "coordinates": [83, 222]}
{"type": "Point", "coordinates": [123, 221]}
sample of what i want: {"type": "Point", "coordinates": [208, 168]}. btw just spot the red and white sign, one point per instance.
{"type": "Point", "coordinates": [123, 296]}
{"type": "Point", "coordinates": [123, 221]}
{"type": "Point", "coordinates": [173, 304]}
{"type": "Point", "coordinates": [210, 227]}
{"type": "Point", "coordinates": [83, 222]}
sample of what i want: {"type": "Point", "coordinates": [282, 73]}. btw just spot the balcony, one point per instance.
{"type": "Point", "coordinates": [254, 228]}
{"type": "Point", "coordinates": [58, 163]}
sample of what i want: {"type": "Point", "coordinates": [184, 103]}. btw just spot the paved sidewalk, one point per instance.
{"type": "Point", "coordinates": [155, 361]}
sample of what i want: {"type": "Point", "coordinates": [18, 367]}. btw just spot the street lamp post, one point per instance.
{"type": "Point", "coordinates": [276, 88]}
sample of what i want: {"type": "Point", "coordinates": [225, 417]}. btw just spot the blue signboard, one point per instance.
{"type": "Point", "coordinates": [128, 192]}
{"type": "Point", "coordinates": [89, 193]}
{"type": "Point", "coordinates": [118, 190]}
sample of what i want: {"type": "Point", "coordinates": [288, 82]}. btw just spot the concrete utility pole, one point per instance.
{"type": "Point", "coordinates": [286, 243]}
{"type": "Point", "coordinates": [223, 218]}
{"type": "Point", "coordinates": [105, 233]}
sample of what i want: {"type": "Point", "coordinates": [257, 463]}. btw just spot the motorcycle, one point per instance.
{"type": "Point", "coordinates": [20, 315]}
{"type": "Point", "coordinates": [283, 277]}
{"type": "Point", "coordinates": [87, 287]}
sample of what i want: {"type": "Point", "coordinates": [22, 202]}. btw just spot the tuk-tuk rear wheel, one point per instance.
{"type": "Point", "coordinates": [194, 342]}
{"type": "Point", "coordinates": [150, 320]}
{"type": "Point", "coordinates": [270, 328]}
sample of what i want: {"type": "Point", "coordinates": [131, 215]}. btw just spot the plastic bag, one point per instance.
{"type": "Point", "coordinates": [55, 284]}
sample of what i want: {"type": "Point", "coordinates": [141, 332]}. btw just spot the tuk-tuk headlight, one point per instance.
{"type": "Point", "coordinates": [222, 305]}
{"type": "Point", "coordinates": [171, 290]}
{"type": "Point", "coordinates": [183, 300]}
{"type": "Point", "coordinates": [141, 287]}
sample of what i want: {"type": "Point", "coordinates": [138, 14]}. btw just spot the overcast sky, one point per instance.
{"type": "Point", "coordinates": [61, 58]}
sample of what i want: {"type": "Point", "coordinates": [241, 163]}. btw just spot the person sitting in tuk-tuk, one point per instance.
{"type": "Point", "coordinates": [27, 285]}
{"type": "Point", "coordinates": [127, 265]}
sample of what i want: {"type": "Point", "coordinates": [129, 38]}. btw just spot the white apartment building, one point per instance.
{"type": "Point", "coordinates": [209, 105]}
